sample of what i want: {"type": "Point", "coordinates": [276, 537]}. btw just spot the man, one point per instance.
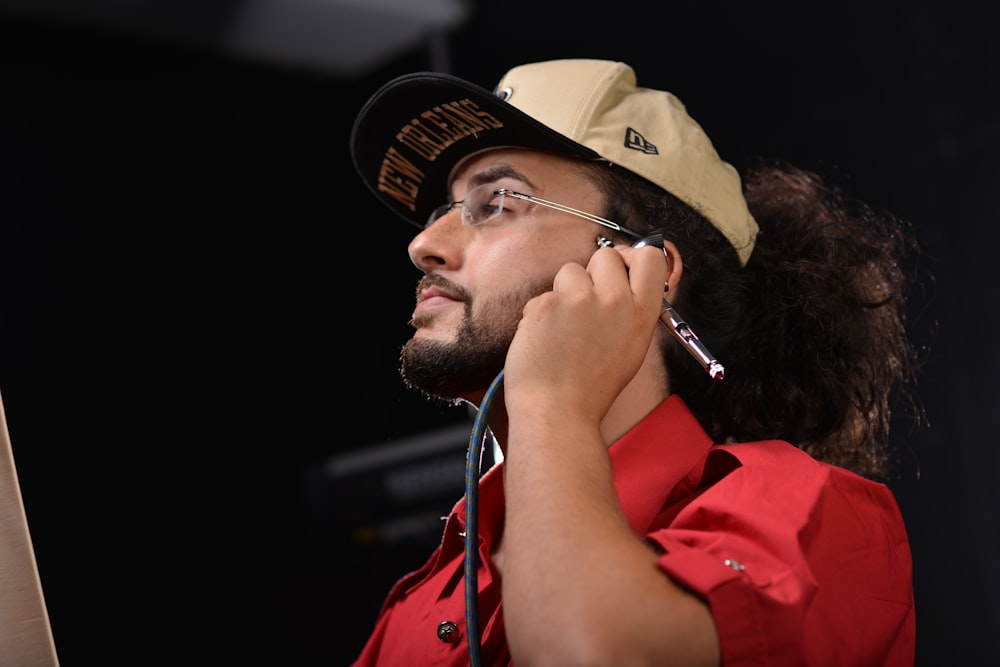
{"type": "Point", "coordinates": [692, 429]}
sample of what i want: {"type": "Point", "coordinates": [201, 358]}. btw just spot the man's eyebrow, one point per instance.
{"type": "Point", "coordinates": [495, 173]}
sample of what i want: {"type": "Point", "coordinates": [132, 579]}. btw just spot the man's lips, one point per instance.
{"type": "Point", "coordinates": [433, 297]}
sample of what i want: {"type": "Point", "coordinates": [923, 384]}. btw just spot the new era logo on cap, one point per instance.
{"type": "Point", "coordinates": [637, 142]}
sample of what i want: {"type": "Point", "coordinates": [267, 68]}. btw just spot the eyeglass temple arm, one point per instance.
{"type": "Point", "coordinates": [568, 209]}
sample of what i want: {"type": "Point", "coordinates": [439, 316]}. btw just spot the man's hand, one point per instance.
{"type": "Point", "coordinates": [580, 344]}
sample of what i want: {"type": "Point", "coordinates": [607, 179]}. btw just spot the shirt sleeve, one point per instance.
{"type": "Point", "coordinates": [800, 562]}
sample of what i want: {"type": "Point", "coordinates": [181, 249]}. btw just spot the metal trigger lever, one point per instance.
{"type": "Point", "coordinates": [681, 330]}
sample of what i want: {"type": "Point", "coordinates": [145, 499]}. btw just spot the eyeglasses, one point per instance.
{"type": "Point", "coordinates": [483, 204]}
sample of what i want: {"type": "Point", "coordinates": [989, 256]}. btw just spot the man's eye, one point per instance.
{"type": "Point", "coordinates": [487, 210]}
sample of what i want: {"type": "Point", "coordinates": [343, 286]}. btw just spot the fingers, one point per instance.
{"type": "Point", "coordinates": [623, 280]}
{"type": "Point", "coordinates": [641, 271]}
{"type": "Point", "coordinates": [647, 270]}
{"type": "Point", "coordinates": [614, 267]}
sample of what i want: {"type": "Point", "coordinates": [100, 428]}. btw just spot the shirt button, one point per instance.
{"type": "Point", "coordinates": [735, 564]}
{"type": "Point", "coordinates": [448, 632]}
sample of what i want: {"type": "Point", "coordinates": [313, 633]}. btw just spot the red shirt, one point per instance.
{"type": "Point", "coordinates": [801, 563]}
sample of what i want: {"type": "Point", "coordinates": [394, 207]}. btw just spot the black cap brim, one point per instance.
{"type": "Point", "coordinates": [414, 130]}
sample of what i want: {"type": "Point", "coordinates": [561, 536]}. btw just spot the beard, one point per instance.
{"type": "Point", "coordinates": [450, 371]}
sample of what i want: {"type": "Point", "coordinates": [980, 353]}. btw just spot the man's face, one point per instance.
{"type": "Point", "coordinates": [478, 277]}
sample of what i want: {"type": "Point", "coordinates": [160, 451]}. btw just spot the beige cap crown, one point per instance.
{"type": "Point", "coordinates": [597, 104]}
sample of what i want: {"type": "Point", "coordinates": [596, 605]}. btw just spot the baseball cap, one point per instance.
{"type": "Point", "coordinates": [416, 128]}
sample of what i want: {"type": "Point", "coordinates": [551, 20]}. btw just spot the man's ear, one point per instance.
{"type": "Point", "coordinates": [675, 265]}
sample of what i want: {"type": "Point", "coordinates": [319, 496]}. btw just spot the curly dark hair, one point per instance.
{"type": "Point", "coordinates": [811, 331]}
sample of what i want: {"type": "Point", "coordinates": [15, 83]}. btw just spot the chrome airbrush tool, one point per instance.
{"type": "Point", "coordinates": [681, 330]}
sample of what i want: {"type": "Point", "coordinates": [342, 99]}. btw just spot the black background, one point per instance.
{"type": "Point", "coordinates": [201, 304]}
